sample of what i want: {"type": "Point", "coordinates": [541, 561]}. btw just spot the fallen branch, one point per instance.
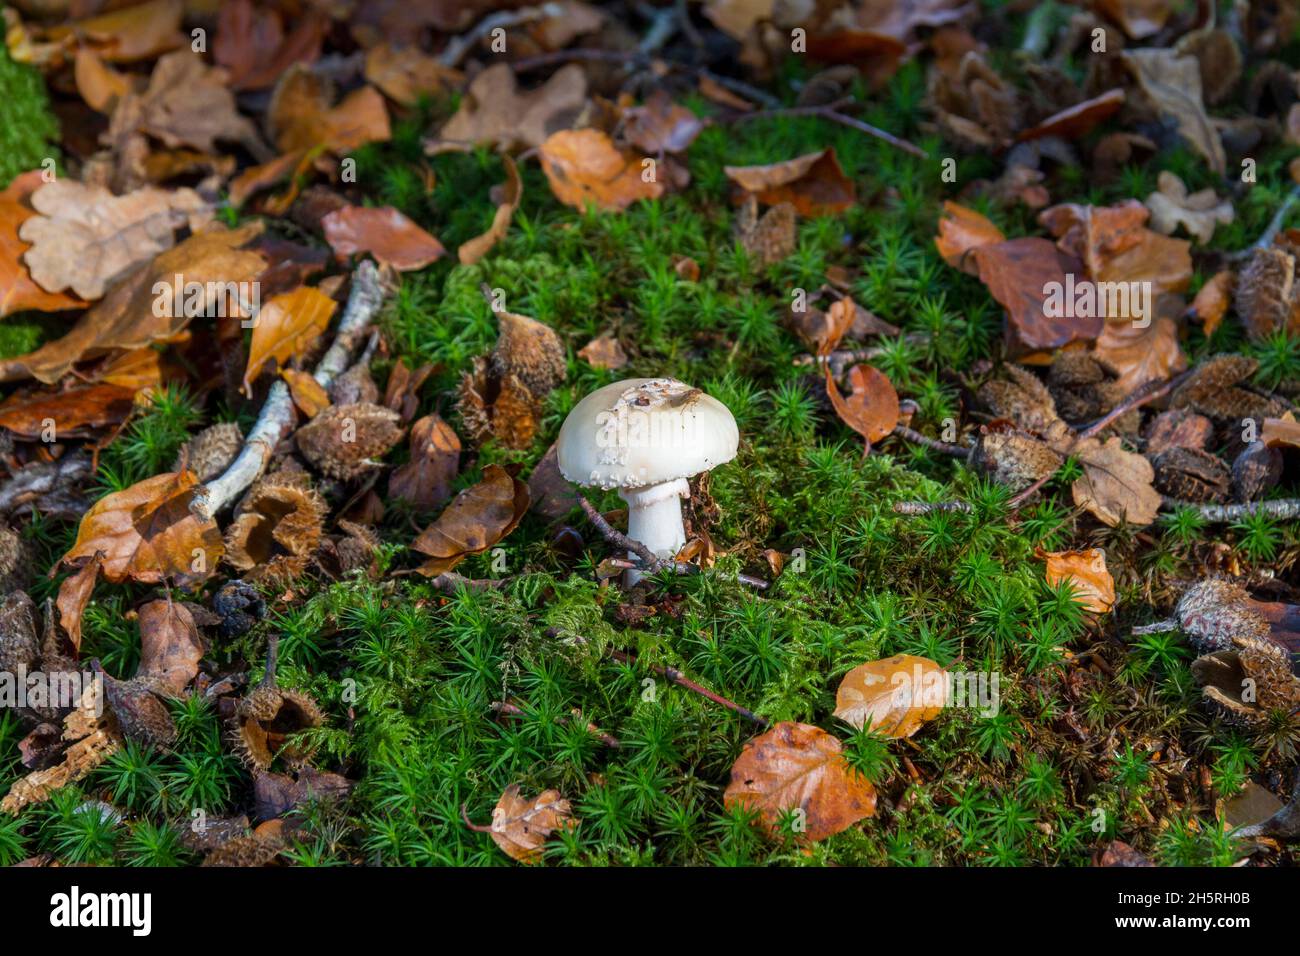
{"type": "Point", "coordinates": [276, 418]}
{"type": "Point", "coordinates": [1219, 514]}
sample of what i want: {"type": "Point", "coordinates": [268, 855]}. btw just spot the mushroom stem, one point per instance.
{"type": "Point", "coordinates": [654, 518]}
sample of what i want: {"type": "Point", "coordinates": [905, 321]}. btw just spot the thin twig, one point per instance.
{"type": "Point", "coordinates": [678, 678]}
{"type": "Point", "coordinates": [277, 416]}
{"type": "Point", "coordinates": [651, 562]}
{"type": "Point", "coordinates": [664, 23]}
{"type": "Point", "coordinates": [1142, 396]}
{"type": "Point", "coordinates": [832, 112]}
{"type": "Point", "coordinates": [942, 447]}
{"type": "Point", "coordinates": [685, 567]}
{"type": "Point", "coordinates": [1219, 514]}
{"type": "Point", "coordinates": [458, 47]}
{"type": "Point", "coordinates": [450, 582]}
{"type": "Point", "coordinates": [931, 507]}
{"type": "Point", "coordinates": [1275, 224]}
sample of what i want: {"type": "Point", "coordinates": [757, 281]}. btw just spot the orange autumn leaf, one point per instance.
{"type": "Point", "coordinates": [74, 595]}
{"type": "Point", "coordinates": [895, 696]}
{"type": "Point", "coordinates": [512, 191]}
{"type": "Point", "coordinates": [148, 534]}
{"type": "Point", "coordinates": [1087, 575]}
{"type": "Point", "coordinates": [871, 408]}
{"type": "Point", "coordinates": [813, 183]}
{"type": "Point", "coordinates": [1017, 273]}
{"type": "Point", "coordinates": [306, 392]}
{"type": "Point", "coordinates": [1211, 302]}
{"type": "Point", "coordinates": [134, 33]}
{"type": "Point", "coordinates": [584, 166]}
{"type": "Point", "coordinates": [18, 291]}
{"type": "Point", "coordinates": [1078, 119]}
{"type": "Point", "coordinates": [76, 412]}
{"type": "Point", "coordinates": [799, 769]}
{"type": "Point", "coordinates": [285, 328]}
{"type": "Point", "coordinates": [1115, 245]}
{"type": "Point", "coordinates": [388, 235]}
{"type": "Point", "coordinates": [520, 826]}
{"type": "Point", "coordinates": [962, 230]}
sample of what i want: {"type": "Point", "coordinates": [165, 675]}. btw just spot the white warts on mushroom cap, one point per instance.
{"type": "Point", "coordinates": [645, 437]}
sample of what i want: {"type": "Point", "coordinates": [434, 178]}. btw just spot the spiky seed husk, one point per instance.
{"type": "Point", "coordinates": [141, 714]}
{"type": "Point", "coordinates": [266, 716]}
{"type": "Point", "coordinates": [276, 531]}
{"type": "Point", "coordinates": [1074, 367]}
{"type": "Point", "coordinates": [211, 451]}
{"type": "Point", "coordinates": [530, 350]}
{"type": "Point", "coordinates": [343, 440]}
{"type": "Point", "coordinates": [1190, 474]}
{"type": "Point", "coordinates": [1268, 294]}
{"type": "Point", "coordinates": [1248, 681]}
{"type": "Point", "coordinates": [1014, 459]}
{"type": "Point", "coordinates": [1214, 611]}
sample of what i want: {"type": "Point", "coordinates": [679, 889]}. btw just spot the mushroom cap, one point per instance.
{"type": "Point", "coordinates": [644, 431]}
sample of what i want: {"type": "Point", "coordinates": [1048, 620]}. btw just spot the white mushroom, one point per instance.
{"type": "Point", "coordinates": [645, 437]}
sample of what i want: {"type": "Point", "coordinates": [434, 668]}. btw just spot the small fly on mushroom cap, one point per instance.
{"type": "Point", "coordinates": [645, 437]}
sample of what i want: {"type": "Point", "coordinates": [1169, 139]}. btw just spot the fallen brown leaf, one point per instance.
{"type": "Point", "coordinates": [1173, 84]}
{"type": "Point", "coordinates": [813, 183]}
{"type": "Point", "coordinates": [18, 291]}
{"type": "Point", "coordinates": [584, 166]}
{"type": "Point", "coordinates": [1211, 303]}
{"type": "Point", "coordinates": [170, 646]}
{"type": "Point", "coordinates": [799, 768]}
{"type": "Point", "coordinates": [1086, 571]}
{"type": "Point", "coordinates": [425, 480]}
{"type": "Point", "coordinates": [477, 519]}
{"type": "Point", "coordinates": [1139, 355]}
{"type": "Point", "coordinates": [1017, 272]}
{"type": "Point", "coordinates": [307, 394]}
{"type": "Point", "coordinates": [1077, 120]}
{"type": "Point", "coordinates": [1116, 485]}
{"type": "Point", "coordinates": [520, 826]}
{"type": "Point", "coordinates": [961, 231]}
{"type": "Point", "coordinates": [604, 351]}
{"type": "Point", "coordinates": [512, 191]}
{"type": "Point", "coordinates": [77, 412]}
{"type": "Point", "coordinates": [285, 328]}
{"type": "Point", "coordinates": [74, 595]}
{"type": "Point", "coordinates": [1139, 18]}
{"type": "Point", "coordinates": [388, 235]}
{"type": "Point", "coordinates": [895, 697]}
{"type": "Point", "coordinates": [134, 33]}
{"type": "Point", "coordinates": [406, 73]}
{"type": "Point", "coordinates": [252, 45]}
{"type": "Point", "coordinates": [1198, 213]}
{"type": "Point", "coordinates": [871, 408]}
{"type": "Point", "coordinates": [495, 113]}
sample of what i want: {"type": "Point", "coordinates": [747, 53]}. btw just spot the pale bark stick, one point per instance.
{"type": "Point", "coordinates": [276, 418]}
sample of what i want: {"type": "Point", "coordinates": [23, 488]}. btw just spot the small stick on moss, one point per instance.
{"type": "Point", "coordinates": [1274, 227]}
{"type": "Point", "coordinates": [277, 416]}
{"type": "Point", "coordinates": [931, 507]}
{"type": "Point", "coordinates": [678, 678]}
{"type": "Point", "coordinates": [1142, 396]}
{"type": "Point", "coordinates": [1282, 508]}
{"type": "Point", "coordinates": [650, 562]}
{"type": "Point", "coordinates": [942, 447]}
{"type": "Point", "coordinates": [685, 567]}
{"type": "Point", "coordinates": [450, 582]}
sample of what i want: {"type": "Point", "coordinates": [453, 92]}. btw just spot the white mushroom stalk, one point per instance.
{"type": "Point", "coordinates": [646, 437]}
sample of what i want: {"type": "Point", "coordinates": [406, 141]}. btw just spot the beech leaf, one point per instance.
{"type": "Point", "coordinates": [478, 518]}
{"type": "Point", "coordinates": [895, 696]}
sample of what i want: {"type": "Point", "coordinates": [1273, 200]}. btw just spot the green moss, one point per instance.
{"type": "Point", "coordinates": [28, 130]}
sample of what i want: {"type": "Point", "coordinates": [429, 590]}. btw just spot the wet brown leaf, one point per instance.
{"type": "Point", "coordinates": [520, 826]}
{"type": "Point", "coordinates": [285, 328]}
{"type": "Point", "coordinates": [584, 166]}
{"type": "Point", "coordinates": [813, 183]}
{"type": "Point", "coordinates": [1116, 484]}
{"type": "Point", "coordinates": [252, 45]}
{"type": "Point", "coordinates": [1017, 272]}
{"type": "Point", "coordinates": [425, 481]}
{"type": "Point", "coordinates": [74, 595]}
{"type": "Point", "coordinates": [798, 767]}
{"type": "Point", "coordinates": [871, 408]}
{"type": "Point", "coordinates": [76, 412]}
{"type": "Point", "coordinates": [896, 696]}
{"type": "Point", "coordinates": [1173, 84]}
{"type": "Point", "coordinates": [1086, 571]}
{"type": "Point", "coordinates": [1077, 120]}
{"type": "Point", "coordinates": [147, 533]}
{"type": "Point", "coordinates": [477, 519]}
{"type": "Point", "coordinates": [388, 235]}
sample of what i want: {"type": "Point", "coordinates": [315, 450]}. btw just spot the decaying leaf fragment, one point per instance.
{"type": "Point", "coordinates": [520, 826]}
{"type": "Point", "coordinates": [425, 480]}
{"type": "Point", "coordinates": [584, 167]}
{"type": "Point", "coordinates": [476, 519]}
{"type": "Point", "coordinates": [795, 775]}
{"type": "Point", "coordinates": [1086, 571]}
{"type": "Point", "coordinates": [1171, 206]}
{"type": "Point", "coordinates": [871, 408]}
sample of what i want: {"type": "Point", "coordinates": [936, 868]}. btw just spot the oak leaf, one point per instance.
{"type": "Point", "coordinates": [148, 534]}
{"type": "Point", "coordinates": [1198, 213]}
{"type": "Point", "coordinates": [1086, 572]}
{"type": "Point", "coordinates": [895, 696]}
{"type": "Point", "coordinates": [285, 328]}
{"type": "Point", "coordinates": [520, 826]}
{"type": "Point", "coordinates": [388, 235]}
{"type": "Point", "coordinates": [477, 518]}
{"type": "Point", "coordinates": [798, 767]}
{"type": "Point", "coordinates": [584, 166]}
{"type": "Point", "coordinates": [83, 237]}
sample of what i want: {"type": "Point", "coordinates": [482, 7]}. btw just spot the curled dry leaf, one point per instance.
{"type": "Point", "coordinates": [129, 317]}
{"type": "Point", "coordinates": [74, 595]}
{"type": "Point", "coordinates": [798, 767]}
{"type": "Point", "coordinates": [252, 45]}
{"type": "Point", "coordinates": [133, 33]}
{"type": "Point", "coordinates": [425, 480]}
{"type": "Point", "coordinates": [18, 291]}
{"type": "Point", "coordinates": [512, 191]}
{"type": "Point", "coordinates": [895, 696]}
{"type": "Point", "coordinates": [1116, 246]}
{"type": "Point", "coordinates": [661, 126]}
{"type": "Point", "coordinates": [1173, 84]}
{"type": "Point", "coordinates": [495, 113]}
{"type": "Point", "coordinates": [76, 412]}
{"type": "Point", "coordinates": [604, 351]}
{"type": "Point", "coordinates": [871, 409]}
{"type": "Point", "coordinates": [406, 73]}
{"type": "Point", "coordinates": [388, 235]}
{"type": "Point", "coordinates": [170, 646]}
{"type": "Point", "coordinates": [1086, 572]}
{"type": "Point", "coordinates": [1198, 213]}
{"type": "Point", "coordinates": [584, 166]}
{"type": "Point", "coordinates": [1139, 18]}
{"type": "Point", "coordinates": [148, 534]}
{"type": "Point", "coordinates": [813, 183]}
{"type": "Point", "coordinates": [478, 518]}
{"type": "Point", "coordinates": [520, 826]}
{"type": "Point", "coordinates": [1211, 302]}
{"type": "Point", "coordinates": [277, 794]}
{"type": "Point", "coordinates": [307, 394]}
{"type": "Point", "coordinates": [285, 328]}
{"type": "Point", "coordinates": [84, 237]}
{"type": "Point", "coordinates": [770, 238]}
{"type": "Point", "coordinates": [961, 231]}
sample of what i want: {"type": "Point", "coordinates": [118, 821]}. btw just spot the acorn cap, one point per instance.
{"type": "Point", "coordinates": [644, 431]}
